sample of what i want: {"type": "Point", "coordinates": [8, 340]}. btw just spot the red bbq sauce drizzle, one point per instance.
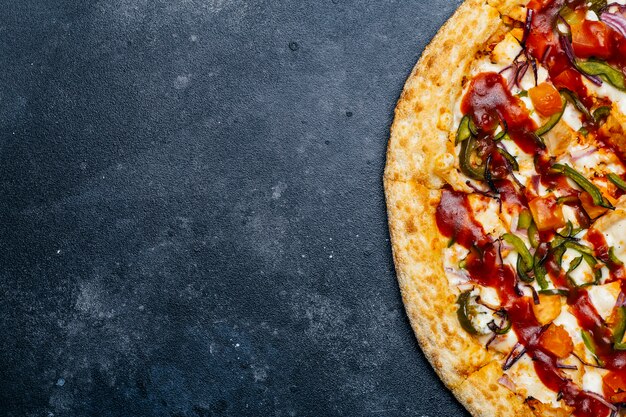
{"type": "Point", "coordinates": [489, 100]}
{"type": "Point", "coordinates": [489, 103]}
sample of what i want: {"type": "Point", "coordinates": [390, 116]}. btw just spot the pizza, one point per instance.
{"type": "Point", "coordinates": [506, 194]}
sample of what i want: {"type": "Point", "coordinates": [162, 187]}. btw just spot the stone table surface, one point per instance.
{"type": "Point", "coordinates": [193, 220]}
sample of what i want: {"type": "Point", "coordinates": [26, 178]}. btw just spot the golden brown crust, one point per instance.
{"type": "Point", "coordinates": [419, 158]}
{"type": "Point", "coordinates": [483, 396]}
{"type": "Point", "coordinates": [419, 135]}
{"type": "Point", "coordinates": [428, 298]}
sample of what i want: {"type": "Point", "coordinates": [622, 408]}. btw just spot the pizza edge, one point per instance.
{"type": "Point", "coordinates": [418, 144]}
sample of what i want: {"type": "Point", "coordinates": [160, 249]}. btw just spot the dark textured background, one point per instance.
{"type": "Point", "coordinates": [192, 210]}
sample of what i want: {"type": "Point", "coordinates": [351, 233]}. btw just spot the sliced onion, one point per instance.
{"type": "Point", "coordinates": [521, 71]}
{"type": "Point", "coordinates": [617, 22]}
{"type": "Point", "coordinates": [585, 152]}
{"type": "Point", "coordinates": [618, 7]}
{"type": "Point", "coordinates": [505, 381]}
{"type": "Point", "coordinates": [600, 399]}
{"type": "Point", "coordinates": [569, 52]}
{"type": "Point", "coordinates": [514, 355]}
{"type": "Point", "coordinates": [621, 300]}
{"type": "Point", "coordinates": [536, 181]}
{"type": "Point", "coordinates": [585, 362]}
{"type": "Point", "coordinates": [535, 295]}
{"type": "Point", "coordinates": [527, 26]}
{"type": "Point", "coordinates": [565, 366]}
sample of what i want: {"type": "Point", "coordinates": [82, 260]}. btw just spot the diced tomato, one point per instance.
{"type": "Point", "coordinates": [547, 213]}
{"type": "Point", "coordinates": [546, 99]}
{"type": "Point", "coordinates": [557, 341]}
{"type": "Point", "coordinates": [615, 386]}
{"type": "Point", "coordinates": [592, 210]}
{"type": "Point", "coordinates": [569, 79]}
{"type": "Point", "coordinates": [548, 309]}
{"type": "Point", "coordinates": [591, 39]}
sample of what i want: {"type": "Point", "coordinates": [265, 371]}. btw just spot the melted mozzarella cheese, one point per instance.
{"type": "Point", "coordinates": [570, 324]}
{"type": "Point", "coordinates": [527, 382]}
{"type": "Point", "coordinates": [571, 117]}
{"type": "Point", "coordinates": [604, 297]}
{"type": "Point", "coordinates": [583, 273]}
{"type": "Point", "coordinates": [451, 258]}
{"type": "Point", "coordinates": [606, 90]}
{"type": "Point", "coordinates": [490, 297]}
{"type": "Point", "coordinates": [592, 380]}
{"type": "Point", "coordinates": [613, 228]}
{"type": "Point", "coordinates": [487, 212]}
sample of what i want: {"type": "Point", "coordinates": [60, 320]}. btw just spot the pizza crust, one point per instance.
{"type": "Point", "coordinates": [420, 155]}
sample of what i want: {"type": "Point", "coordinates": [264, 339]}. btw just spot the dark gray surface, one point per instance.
{"type": "Point", "coordinates": [192, 210]}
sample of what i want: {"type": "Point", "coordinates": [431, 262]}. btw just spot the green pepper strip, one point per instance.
{"type": "Point", "coordinates": [510, 159]}
{"type": "Point", "coordinates": [521, 249]}
{"type": "Point", "coordinates": [504, 330]}
{"type": "Point", "coordinates": [463, 314]}
{"type": "Point", "coordinates": [587, 255]}
{"type": "Point", "coordinates": [575, 263]}
{"type": "Point", "coordinates": [502, 133]}
{"type": "Point", "coordinates": [573, 98]}
{"type": "Point", "coordinates": [590, 345]}
{"type": "Point", "coordinates": [463, 133]}
{"type": "Point", "coordinates": [609, 74]}
{"type": "Point", "coordinates": [620, 183]}
{"type": "Point", "coordinates": [620, 329]}
{"type": "Point", "coordinates": [540, 273]}
{"type": "Point", "coordinates": [567, 230]}
{"type": "Point", "coordinates": [578, 247]}
{"type": "Point", "coordinates": [570, 17]}
{"type": "Point", "coordinates": [524, 220]}
{"type": "Point", "coordinates": [553, 120]}
{"type": "Point", "coordinates": [554, 292]}
{"type": "Point", "coordinates": [523, 276]}
{"type": "Point", "coordinates": [467, 148]}
{"type": "Point", "coordinates": [567, 199]}
{"type": "Point", "coordinates": [558, 254]}
{"type": "Point", "coordinates": [472, 127]}
{"type": "Point", "coordinates": [597, 5]}
{"type": "Point", "coordinates": [584, 183]}
{"type": "Point", "coordinates": [601, 113]}
{"type": "Point", "coordinates": [533, 235]}
{"type": "Point", "coordinates": [614, 259]}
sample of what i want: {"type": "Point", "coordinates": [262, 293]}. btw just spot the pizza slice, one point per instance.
{"type": "Point", "coordinates": [506, 194]}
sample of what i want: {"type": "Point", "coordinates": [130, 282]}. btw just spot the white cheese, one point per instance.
{"type": "Point", "coordinates": [583, 273]}
{"type": "Point", "coordinates": [571, 117]}
{"type": "Point", "coordinates": [569, 214]}
{"type": "Point", "coordinates": [591, 16]}
{"type": "Point", "coordinates": [528, 384]}
{"type": "Point", "coordinates": [570, 324]}
{"type": "Point", "coordinates": [592, 380]}
{"type": "Point", "coordinates": [490, 297]}
{"type": "Point", "coordinates": [486, 212]}
{"type": "Point", "coordinates": [451, 258]}
{"type": "Point", "coordinates": [606, 90]}
{"type": "Point", "coordinates": [604, 297]}
{"type": "Point", "coordinates": [613, 228]}
{"type": "Point", "coordinates": [505, 52]}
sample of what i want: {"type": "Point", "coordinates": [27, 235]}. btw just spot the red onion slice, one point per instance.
{"type": "Point", "coordinates": [527, 26]}
{"type": "Point", "coordinates": [617, 22]}
{"type": "Point", "coordinates": [505, 381]}
{"type": "Point", "coordinates": [518, 351]}
{"type": "Point", "coordinates": [601, 400]}
{"type": "Point", "coordinates": [569, 52]}
{"type": "Point", "coordinates": [585, 152]}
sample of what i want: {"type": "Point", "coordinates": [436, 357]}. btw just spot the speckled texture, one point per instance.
{"type": "Point", "coordinates": [192, 209]}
